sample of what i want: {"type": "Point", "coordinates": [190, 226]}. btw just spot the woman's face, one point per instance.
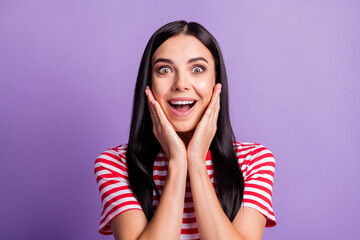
{"type": "Point", "coordinates": [183, 79]}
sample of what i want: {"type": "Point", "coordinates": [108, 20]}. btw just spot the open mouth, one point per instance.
{"type": "Point", "coordinates": [182, 106]}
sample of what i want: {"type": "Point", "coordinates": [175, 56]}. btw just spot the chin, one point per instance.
{"type": "Point", "coordinates": [184, 128]}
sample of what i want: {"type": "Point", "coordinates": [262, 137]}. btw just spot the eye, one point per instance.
{"type": "Point", "coordinates": [198, 69]}
{"type": "Point", "coordinates": [164, 70]}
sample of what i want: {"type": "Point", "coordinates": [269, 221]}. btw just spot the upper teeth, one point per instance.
{"type": "Point", "coordinates": [181, 102]}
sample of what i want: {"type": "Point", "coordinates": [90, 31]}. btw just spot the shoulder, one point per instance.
{"type": "Point", "coordinates": [113, 154]}
{"type": "Point", "coordinates": [252, 156]}
{"type": "Point", "coordinates": [112, 160]}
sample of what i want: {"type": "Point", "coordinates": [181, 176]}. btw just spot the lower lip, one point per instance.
{"type": "Point", "coordinates": [182, 114]}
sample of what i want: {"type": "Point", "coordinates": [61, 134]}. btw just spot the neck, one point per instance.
{"type": "Point", "coordinates": [186, 136]}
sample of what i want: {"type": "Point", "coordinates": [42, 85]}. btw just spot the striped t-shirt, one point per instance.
{"type": "Point", "coordinates": [255, 161]}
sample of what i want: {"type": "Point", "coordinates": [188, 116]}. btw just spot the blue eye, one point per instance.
{"type": "Point", "coordinates": [198, 69]}
{"type": "Point", "coordinates": [164, 70]}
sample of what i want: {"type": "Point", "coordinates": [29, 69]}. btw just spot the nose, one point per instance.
{"type": "Point", "coordinates": [181, 82]}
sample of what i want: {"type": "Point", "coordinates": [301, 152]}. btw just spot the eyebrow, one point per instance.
{"type": "Point", "coordinates": [171, 62]}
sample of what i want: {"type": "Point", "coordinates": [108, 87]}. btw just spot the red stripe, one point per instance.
{"type": "Point", "coordinates": [261, 179]}
{"type": "Point", "coordinates": [160, 168]}
{"type": "Point", "coordinates": [189, 220]}
{"type": "Point", "coordinates": [266, 155]}
{"type": "Point", "coordinates": [262, 165]}
{"type": "Point", "coordinates": [189, 209]}
{"type": "Point", "coordinates": [158, 177]}
{"type": "Point", "coordinates": [111, 163]}
{"type": "Point", "coordinates": [114, 190]}
{"type": "Point", "coordinates": [116, 208]}
{"type": "Point", "coordinates": [243, 160]}
{"type": "Point", "coordinates": [258, 150]}
{"type": "Point", "coordinates": [120, 196]}
{"type": "Point", "coordinates": [107, 183]}
{"type": "Point", "coordinates": [257, 186]}
{"type": "Point", "coordinates": [189, 231]}
{"type": "Point", "coordinates": [255, 194]}
{"type": "Point", "coordinates": [268, 172]}
{"type": "Point", "coordinates": [259, 205]}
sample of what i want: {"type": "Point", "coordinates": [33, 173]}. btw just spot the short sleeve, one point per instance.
{"type": "Point", "coordinates": [258, 169]}
{"type": "Point", "coordinates": [116, 196]}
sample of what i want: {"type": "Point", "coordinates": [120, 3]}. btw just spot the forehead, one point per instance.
{"type": "Point", "coordinates": [182, 47]}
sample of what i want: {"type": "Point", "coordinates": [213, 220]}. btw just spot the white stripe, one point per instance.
{"type": "Point", "coordinates": [244, 152]}
{"type": "Point", "coordinates": [114, 160]}
{"type": "Point", "coordinates": [160, 155]}
{"type": "Point", "coordinates": [118, 202]}
{"type": "Point", "coordinates": [159, 182]}
{"type": "Point", "coordinates": [115, 185]}
{"type": "Point", "coordinates": [160, 163]}
{"type": "Point", "coordinates": [116, 194]}
{"type": "Point", "coordinates": [107, 166]}
{"type": "Point", "coordinates": [115, 178]}
{"type": "Point", "coordinates": [189, 225]}
{"type": "Point", "coordinates": [113, 152]}
{"type": "Point", "coordinates": [256, 190]}
{"type": "Point", "coordinates": [188, 194]}
{"type": "Point", "coordinates": [101, 172]}
{"type": "Point", "coordinates": [189, 215]}
{"type": "Point", "coordinates": [267, 176]}
{"type": "Point", "coordinates": [260, 183]}
{"type": "Point", "coordinates": [263, 211]}
{"type": "Point", "coordinates": [259, 200]}
{"type": "Point", "coordinates": [159, 173]}
{"type": "Point", "coordinates": [102, 181]}
{"type": "Point", "coordinates": [208, 162]}
{"type": "Point", "coordinates": [258, 162]}
{"type": "Point", "coordinates": [105, 171]}
{"type": "Point", "coordinates": [190, 236]}
{"type": "Point", "coordinates": [122, 209]}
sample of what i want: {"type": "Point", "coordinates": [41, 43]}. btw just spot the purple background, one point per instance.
{"type": "Point", "coordinates": [68, 69]}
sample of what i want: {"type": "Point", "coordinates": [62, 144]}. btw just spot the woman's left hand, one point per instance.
{"type": "Point", "coordinates": [205, 130]}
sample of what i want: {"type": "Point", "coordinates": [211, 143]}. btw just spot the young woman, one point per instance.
{"type": "Point", "coordinates": [182, 175]}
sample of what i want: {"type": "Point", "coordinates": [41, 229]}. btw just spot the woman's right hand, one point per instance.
{"type": "Point", "coordinates": [165, 133]}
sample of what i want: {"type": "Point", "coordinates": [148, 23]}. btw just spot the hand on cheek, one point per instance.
{"type": "Point", "coordinates": [205, 130]}
{"type": "Point", "coordinates": [172, 145]}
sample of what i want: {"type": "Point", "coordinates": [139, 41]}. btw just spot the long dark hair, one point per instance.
{"type": "Point", "coordinates": [143, 145]}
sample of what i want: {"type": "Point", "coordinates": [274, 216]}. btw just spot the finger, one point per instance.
{"type": "Point", "coordinates": [150, 101]}
{"type": "Point", "coordinates": [216, 93]}
{"type": "Point", "coordinates": [150, 96]}
{"type": "Point", "coordinates": [214, 102]}
{"type": "Point", "coordinates": [155, 106]}
{"type": "Point", "coordinates": [218, 102]}
{"type": "Point", "coordinates": [214, 105]}
{"type": "Point", "coordinates": [215, 112]}
{"type": "Point", "coordinates": [215, 108]}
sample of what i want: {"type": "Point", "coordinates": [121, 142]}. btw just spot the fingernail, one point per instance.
{"type": "Point", "coordinates": [153, 102]}
{"type": "Point", "coordinates": [214, 103]}
{"type": "Point", "coordinates": [146, 92]}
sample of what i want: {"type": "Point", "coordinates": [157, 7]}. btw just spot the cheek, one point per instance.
{"type": "Point", "coordinates": [156, 89]}
{"type": "Point", "coordinates": [205, 90]}
{"type": "Point", "coordinates": [159, 90]}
